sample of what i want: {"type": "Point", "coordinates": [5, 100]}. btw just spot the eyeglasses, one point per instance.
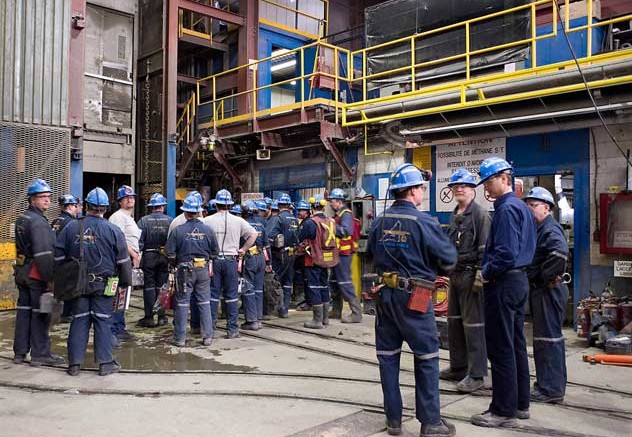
{"type": "Point", "coordinates": [534, 205]}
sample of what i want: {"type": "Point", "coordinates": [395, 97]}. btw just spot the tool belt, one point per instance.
{"type": "Point", "coordinates": [96, 278]}
{"type": "Point", "coordinates": [161, 250]}
{"type": "Point", "coordinates": [196, 263]}
{"type": "Point", "coordinates": [421, 290]}
{"type": "Point", "coordinates": [228, 257]}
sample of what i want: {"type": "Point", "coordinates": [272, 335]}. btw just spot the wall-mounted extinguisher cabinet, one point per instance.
{"type": "Point", "coordinates": [616, 223]}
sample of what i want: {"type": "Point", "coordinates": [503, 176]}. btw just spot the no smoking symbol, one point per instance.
{"type": "Point", "coordinates": [446, 195]}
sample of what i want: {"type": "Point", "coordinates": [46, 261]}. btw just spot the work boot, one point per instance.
{"type": "Point", "coordinates": [303, 306]}
{"type": "Point", "coordinates": [178, 343]}
{"type": "Point", "coordinates": [109, 368]}
{"type": "Point", "coordinates": [231, 335]}
{"type": "Point", "coordinates": [283, 314]}
{"type": "Point", "coordinates": [125, 335]}
{"type": "Point", "coordinates": [469, 384]}
{"type": "Point", "coordinates": [394, 426]}
{"type": "Point", "coordinates": [250, 326]}
{"type": "Point", "coordinates": [162, 320]}
{"type": "Point", "coordinates": [207, 341]}
{"type": "Point", "coordinates": [491, 420]}
{"type": "Point", "coordinates": [336, 308]}
{"type": "Point", "coordinates": [73, 369]}
{"type": "Point", "coordinates": [146, 322]}
{"type": "Point", "coordinates": [444, 428]}
{"type": "Point", "coordinates": [326, 314]}
{"type": "Point", "coordinates": [523, 414]}
{"type": "Point", "coordinates": [538, 396]}
{"type": "Point", "coordinates": [18, 358]}
{"type": "Point", "coordinates": [50, 360]}
{"type": "Point", "coordinates": [317, 318]}
{"type": "Point", "coordinates": [356, 312]}
{"type": "Point", "coordinates": [452, 375]}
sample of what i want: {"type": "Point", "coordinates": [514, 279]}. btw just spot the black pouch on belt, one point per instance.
{"type": "Point", "coordinates": [420, 295]}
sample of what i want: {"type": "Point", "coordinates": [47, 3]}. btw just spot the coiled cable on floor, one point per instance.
{"type": "Point", "coordinates": [442, 289]}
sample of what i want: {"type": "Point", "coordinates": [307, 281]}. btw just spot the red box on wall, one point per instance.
{"type": "Point", "coordinates": [615, 215]}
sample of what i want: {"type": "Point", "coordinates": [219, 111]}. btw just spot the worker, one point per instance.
{"type": "Point", "coordinates": [468, 230]}
{"type": "Point", "coordinates": [124, 219]}
{"type": "Point", "coordinates": [191, 248]}
{"type": "Point", "coordinates": [282, 232]}
{"type": "Point", "coordinates": [547, 297]}
{"type": "Point", "coordinates": [303, 211]}
{"type": "Point", "coordinates": [229, 230]}
{"type": "Point", "coordinates": [177, 221]}
{"type": "Point", "coordinates": [267, 212]}
{"type": "Point", "coordinates": [317, 237]}
{"type": "Point", "coordinates": [408, 249]}
{"type": "Point", "coordinates": [509, 250]}
{"type": "Point", "coordinates": [34, 243]}
{"type": "Point", "coordinates": [70, 208]}
{"type": "Point", "coordinates": [106, 253]}
{"type": "Point", "coordinates": [236, 210]}
{"type": "Point", "coordinates": [212, 209]}
{"type": "Point", "coordinates": [255, 263]}
{"type": "Point", "coordinates": [154, 228]}
{"type": "Point", "coordinates": [341, 283]}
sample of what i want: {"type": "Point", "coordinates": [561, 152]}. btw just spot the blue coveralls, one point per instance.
{"type": "Point", "coordinates": [188, 241]}
{"type": "Point", "coordinates": [155, 228]}
{"type": "Point", "coordinates": [548, 307]}
{"type": "Point", "coordinates": [282, 263]}
{"type": "Point", "coordinates": [254, 272]}
{"type": "Point", "coordinates": [105, 252]}
{"type": "Point", "coordinates": [340, 282]}
{"type": "Point", "coordinates": [58, 224]}
{"type": "Point", "coordinates": [34, 240]}
{"type": "Point", "coordinates": [410, 242]}
{"type": "Point", "coordinates": [316, 276]}
{"type": "Point", "coordinates": [509, 250]}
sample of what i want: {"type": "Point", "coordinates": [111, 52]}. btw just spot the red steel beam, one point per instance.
{"type": "Point", "coordinates": [212, 12]}
{"type": "Point", "coordinates": [76, 63]}
{"type": "Point", "coordinates": [247, 50]}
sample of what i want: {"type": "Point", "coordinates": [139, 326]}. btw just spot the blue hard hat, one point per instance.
{"type": "Point", "coordinates": [38, 186]}
{"type": "Point", "coordinates": [157, 199]}
{"type": "Point", "coordinates": [407, 175]}
{"type": "Point", "coordinates": [236, 209]}
{"type": "Point", "coordinates": [211, 206]}
{"type": "Point", "coordinates": [98, 197]}
{"type": "Point", "coordinates": [223, 197]}
{"type": "Point", "coordinates": [191, 204]}
{"type": "Point", "coordinates": [284, 199]}
{"type": "Point", "coordinates": [249, 207]}
{"type": "Point", "coordinates": [302, 205]}
{"type": "Point", "coordinates": [275, 205]}
{"type": "Point", "coordinates": [261, 204]}
{"type": "Point", "coordinates": [125, 191]}
{"type": "Point", "coordinates": [197, 195]}
{"type": "Point", "coordinates": [337, 193]}
{"type": "Point", "coordinates": [539, 193]}
{"type": "Point", "coordinates": [68, 199]}
{"type": "Point", "coordinates": [462, 176]}
{"type": "Point", "coordinates": [267, 200]}
{"type": "Point", "coordinates": [492, 166]}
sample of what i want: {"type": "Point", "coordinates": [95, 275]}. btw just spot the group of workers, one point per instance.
{"type": "Point", "coordinates": [495, 265]}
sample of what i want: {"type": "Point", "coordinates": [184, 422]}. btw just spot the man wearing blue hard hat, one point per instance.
{"type": "Point", "coordinates": [283, 235]}
{"type": "Point", "coordinates": [124, 219]}
{"type": "Point", "coordinates": [508, 252]}
{"type": "Point", "coordinates": [341, 284]}
{"type": "Point", "coordinates": [548, 297]}
{"type": "Point", "coordinates": [230, 230]}
{"type": "Point", "coordinates": [154, 229]}
{"type": "Point", "coordinates": [191, 248]}
{"type": "Point", "coordinates": [105, 252]}
{"type": "Point", "coordinates": [34, 243]}
{"type": "Point", "coordinates": [409, 249]}
{"type": "Point", "coordinates": [468, 230]}
{"type": "Point", "coordinates": [70, 208]}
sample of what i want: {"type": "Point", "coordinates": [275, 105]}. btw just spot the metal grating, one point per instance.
{"type": "Point", "coordinates": [28, 152]}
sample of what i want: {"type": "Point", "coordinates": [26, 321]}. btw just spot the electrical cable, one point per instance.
{"type": "Point", "coordinates": [583, 77]}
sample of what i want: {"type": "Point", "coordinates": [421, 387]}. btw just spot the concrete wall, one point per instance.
{"type": "Point", "coordinates": [607, 169]}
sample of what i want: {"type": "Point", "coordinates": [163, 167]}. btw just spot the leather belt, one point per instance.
{"type": "Point", "coordinates": [228, 257]}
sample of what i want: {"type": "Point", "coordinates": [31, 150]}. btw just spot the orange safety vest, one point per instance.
{"type": "Point", "coordinates": [348, 245]}
{"type": "Point", "coordinates": [323, 250]}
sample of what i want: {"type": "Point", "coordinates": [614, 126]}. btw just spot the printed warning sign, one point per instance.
{"type": "Point", "coordinates": [467, 154]}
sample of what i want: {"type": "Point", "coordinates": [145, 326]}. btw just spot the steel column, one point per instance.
{"type": "Point", "coordinates": [247, 50]}
{"type": "Point", "coordinates": [170, 84]}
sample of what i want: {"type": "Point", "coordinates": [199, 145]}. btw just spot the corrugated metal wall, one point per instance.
{"type": "Point", "coordinates": [34, 40]}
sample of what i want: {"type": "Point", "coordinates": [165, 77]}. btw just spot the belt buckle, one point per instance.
{"type": "Point", "coordinates": [92, 277]}
{"type": "Point", "coordinates": [404, 284]}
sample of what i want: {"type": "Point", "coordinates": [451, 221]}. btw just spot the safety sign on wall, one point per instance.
{"type": "Point", "coordinates": [467, 154]}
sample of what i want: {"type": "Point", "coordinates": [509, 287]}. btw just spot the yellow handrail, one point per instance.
{"type": "Point", "coordinates": [185, 125]}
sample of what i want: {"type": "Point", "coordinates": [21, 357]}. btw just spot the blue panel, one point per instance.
{"type": "Point", "coordinates": [76, 177]}
{"type": "Point", "coordinates": [296, 177]}
{"type": "Point", "coordinates": [370, 183]}
{"type": "Point", "coordinates": [171, 178]}
{"type": "Point", "coordinates": [555, 49]}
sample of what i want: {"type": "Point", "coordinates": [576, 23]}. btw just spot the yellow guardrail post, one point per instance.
{"type": "Point", "coordinates": [534, 57]}
{"type": "Point", "coordinates": [302, 60]}
{"type": "Point", "coordinates": [590, 28]}
{"type": "Point", "coordinates": [412, 63]}
{"type": "Point", "coordinates": [364, 91]}
{"type": "Point", "coordinates": [214, 104]}
{"type": "Point", "coordinates": [467, 51]}
{"type": "Point", "coordinates": [336, 82]}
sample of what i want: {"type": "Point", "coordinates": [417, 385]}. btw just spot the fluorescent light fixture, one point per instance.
{"type": "Point", "coordinates": [283, 65]}
{"type": "Point", "coordinates": [293, 83]}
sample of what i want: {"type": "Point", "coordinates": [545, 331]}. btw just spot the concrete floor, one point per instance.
{"type": "Point", "coordinates": [282, 380]}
